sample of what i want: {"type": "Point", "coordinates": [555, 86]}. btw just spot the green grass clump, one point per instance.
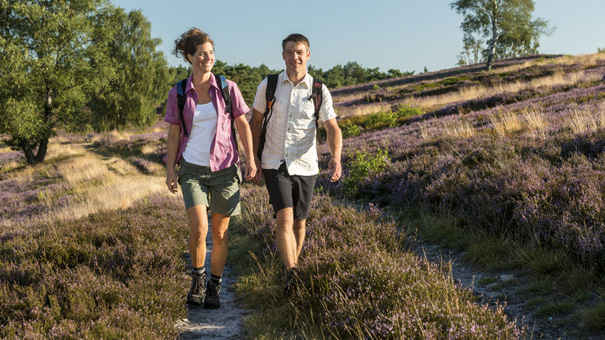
{"type": "Point", "coordinates": [594, 318]}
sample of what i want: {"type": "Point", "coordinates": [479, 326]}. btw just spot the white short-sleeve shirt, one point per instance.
{"type": "Point", "coordinates": [291, 129]}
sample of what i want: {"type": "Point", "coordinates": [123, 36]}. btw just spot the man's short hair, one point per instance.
{"type": "Point", "coordinates": [296, 38]}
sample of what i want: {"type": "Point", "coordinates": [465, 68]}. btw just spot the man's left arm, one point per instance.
{"type": "Point", "coordinates": [334, 137]}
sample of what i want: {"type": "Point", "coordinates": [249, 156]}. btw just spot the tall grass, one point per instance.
{"type": "Point", "coordinates": [459, 129]}
{"type": "Point", "coordinates": [481, 91]}
{"type": "Point", "coordinates": [358, 282]}
{"type": "Point", "coordinates": [75, 182]}
{"type": "Point", "coordinates": [535, 123]}
{"type": "Point", "coordinates": [505, 123]}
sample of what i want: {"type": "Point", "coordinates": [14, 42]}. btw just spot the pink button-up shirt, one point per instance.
{"type": "Point", "coordinates": [223, 153]}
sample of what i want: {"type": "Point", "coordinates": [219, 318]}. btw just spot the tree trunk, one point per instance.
{"type": "Point", "coordinates": [41, 154]}
{"type": "Point", "coordinates": [494, 41]}
{"type": "Point", "coordinates": [28, 149]}
{"type": "Point", "coordinates": [29, 153]}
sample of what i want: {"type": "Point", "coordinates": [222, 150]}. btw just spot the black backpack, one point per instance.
{"type": "Point", "coordinates": [270, 99]}
{"type": "Point", "coordinates": [222, 84]}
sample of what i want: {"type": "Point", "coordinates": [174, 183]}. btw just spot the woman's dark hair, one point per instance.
{"type": "Point", "coordinates": [189, 41]}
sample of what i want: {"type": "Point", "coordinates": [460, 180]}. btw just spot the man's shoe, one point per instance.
{"type": "Point", "coordinates": [198, 291]}
{"type": "Point", "coordinates": [291, 282]}
{"type": "Point", "coordinates": [213, 290]}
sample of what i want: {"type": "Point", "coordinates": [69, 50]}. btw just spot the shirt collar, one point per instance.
{"type": "Point", "coordinates": [213, 82]}
{"type": "Point", "coordinates": [306, 80]}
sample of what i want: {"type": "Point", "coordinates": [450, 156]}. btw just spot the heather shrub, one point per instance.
{"type": "Point", "coordinates": [113, 274]}
{"type": "Point", "coordinates": [360, 283]}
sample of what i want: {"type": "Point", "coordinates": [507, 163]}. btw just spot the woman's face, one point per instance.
{"type": "Point", "coordinates": [203, 59]}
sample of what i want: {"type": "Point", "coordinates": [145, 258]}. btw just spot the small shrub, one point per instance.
{"type": "Point", "coordinates": [381, 120]}
{"type": "Point", "coordinates": [362, 166]}
{"type": "Point", "coordinates": [408, 111]}
{"type": "Point", "coordinates": [349, 129]}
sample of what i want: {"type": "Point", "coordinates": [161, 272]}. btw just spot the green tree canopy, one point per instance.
{"type": "Point", "coordinates": [140, 77]}
{"type": "Point", "coordinates": [248, 78]}
{"type": "Point", "coordinates": [74, 65]}
{"type": "Point", "coordinates": [352, 73]}
{"type": "Point", "coordinates": [506, 25]}
{"type": "Point", "coordinates": [45, 52]}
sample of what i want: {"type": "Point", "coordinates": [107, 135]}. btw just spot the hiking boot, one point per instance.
{"type": "Point", "coordinates": [291, 282]}
{"type": "Point", "coordinates": [213, 290]}
{"type": "Point", "coordinates": [198, 291]}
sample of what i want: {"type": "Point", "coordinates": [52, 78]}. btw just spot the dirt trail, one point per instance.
{"type": "Point", "coordinates": [226, 322]}
{"type": "Point", "coordinates": [209, 324]}
{"type": "Point", "coordinates": [502, 288]}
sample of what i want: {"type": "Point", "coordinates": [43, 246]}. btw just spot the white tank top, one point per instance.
{"type": "Point", "coordinates": [202, 133]}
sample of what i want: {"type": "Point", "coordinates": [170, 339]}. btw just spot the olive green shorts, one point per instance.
{"type": "Point", "coordinates": [218, 190]}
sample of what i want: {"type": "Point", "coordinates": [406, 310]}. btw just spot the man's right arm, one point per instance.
{"type": "Point", "coordinates": [255, 126]}
{"type": "Point", "coordinates": [256, 123]}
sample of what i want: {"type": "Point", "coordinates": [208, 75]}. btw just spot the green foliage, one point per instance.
{"type": "Point", "coordinates": [246, 77]}
{"type": "Point", "coordinates": [350, 126]}
{"type": "Point", "coordinates": [506, 26]}
{"type": "Point", "coordinates": [471, 52]}
{"type": "Point", "coordinates": [363, 165]}
{"type": "Point", "coordinates": [179, 73]}
{"type": "Point", "coordinates": [60, 58]}
{"type": "Point", "coordinates": [352, 73]}
{"type": "Point", "coordinates": [381, 120]}
{"type": "Point", "coordinates": [48, 54]}
{"type": "Point", "coordinates": [404, 112]}
{"type": "Point", "coordinates": [140, 79]}
{"type": "Point", "coordinates": [348, 129]}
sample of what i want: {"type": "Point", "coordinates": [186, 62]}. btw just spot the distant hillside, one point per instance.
{"type": "Point", "coordinates": [362, 98]}
{"type": "Point", "coordinates": [516, 156]}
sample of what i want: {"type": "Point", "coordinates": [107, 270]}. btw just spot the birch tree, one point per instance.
{"type": "Point", "coordinates": [507, 26]}
{"type": "Point", "coordinates": [140, 77]}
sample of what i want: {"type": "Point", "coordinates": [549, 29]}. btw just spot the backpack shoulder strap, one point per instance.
{"type": "Point", "coordinates": [317, 98]}
{"type": "Point", "coordinates": [181, 99]}
{"type": "Point", "coordinates": [269, 99]}
{"type": "Point", "coordinates": [224, 86]}
{"type": "Point", "coordinates": [270, 92]}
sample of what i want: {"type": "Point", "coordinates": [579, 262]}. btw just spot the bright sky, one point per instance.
{"type": "Point", "coordinates": [402, 34]}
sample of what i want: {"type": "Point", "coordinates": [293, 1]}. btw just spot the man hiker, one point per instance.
{"type": "Point", "coordinates": [286, 113]}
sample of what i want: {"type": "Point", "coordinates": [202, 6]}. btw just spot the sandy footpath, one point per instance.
{"type": "Point", "coordinates": [223, 323]}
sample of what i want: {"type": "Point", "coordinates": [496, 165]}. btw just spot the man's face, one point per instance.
{"type": "Point", "coordinates": [296, 55]}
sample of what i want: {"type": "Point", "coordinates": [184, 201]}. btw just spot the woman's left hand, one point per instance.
{"type": "Point", "coordinates": [250, 170]}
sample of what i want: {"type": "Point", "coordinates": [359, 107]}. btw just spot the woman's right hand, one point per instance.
{"type": "Point", "coordinates": [171, 182]}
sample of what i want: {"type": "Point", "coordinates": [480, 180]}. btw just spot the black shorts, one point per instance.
{"type": "Point", "coordinates": [287, 191]}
